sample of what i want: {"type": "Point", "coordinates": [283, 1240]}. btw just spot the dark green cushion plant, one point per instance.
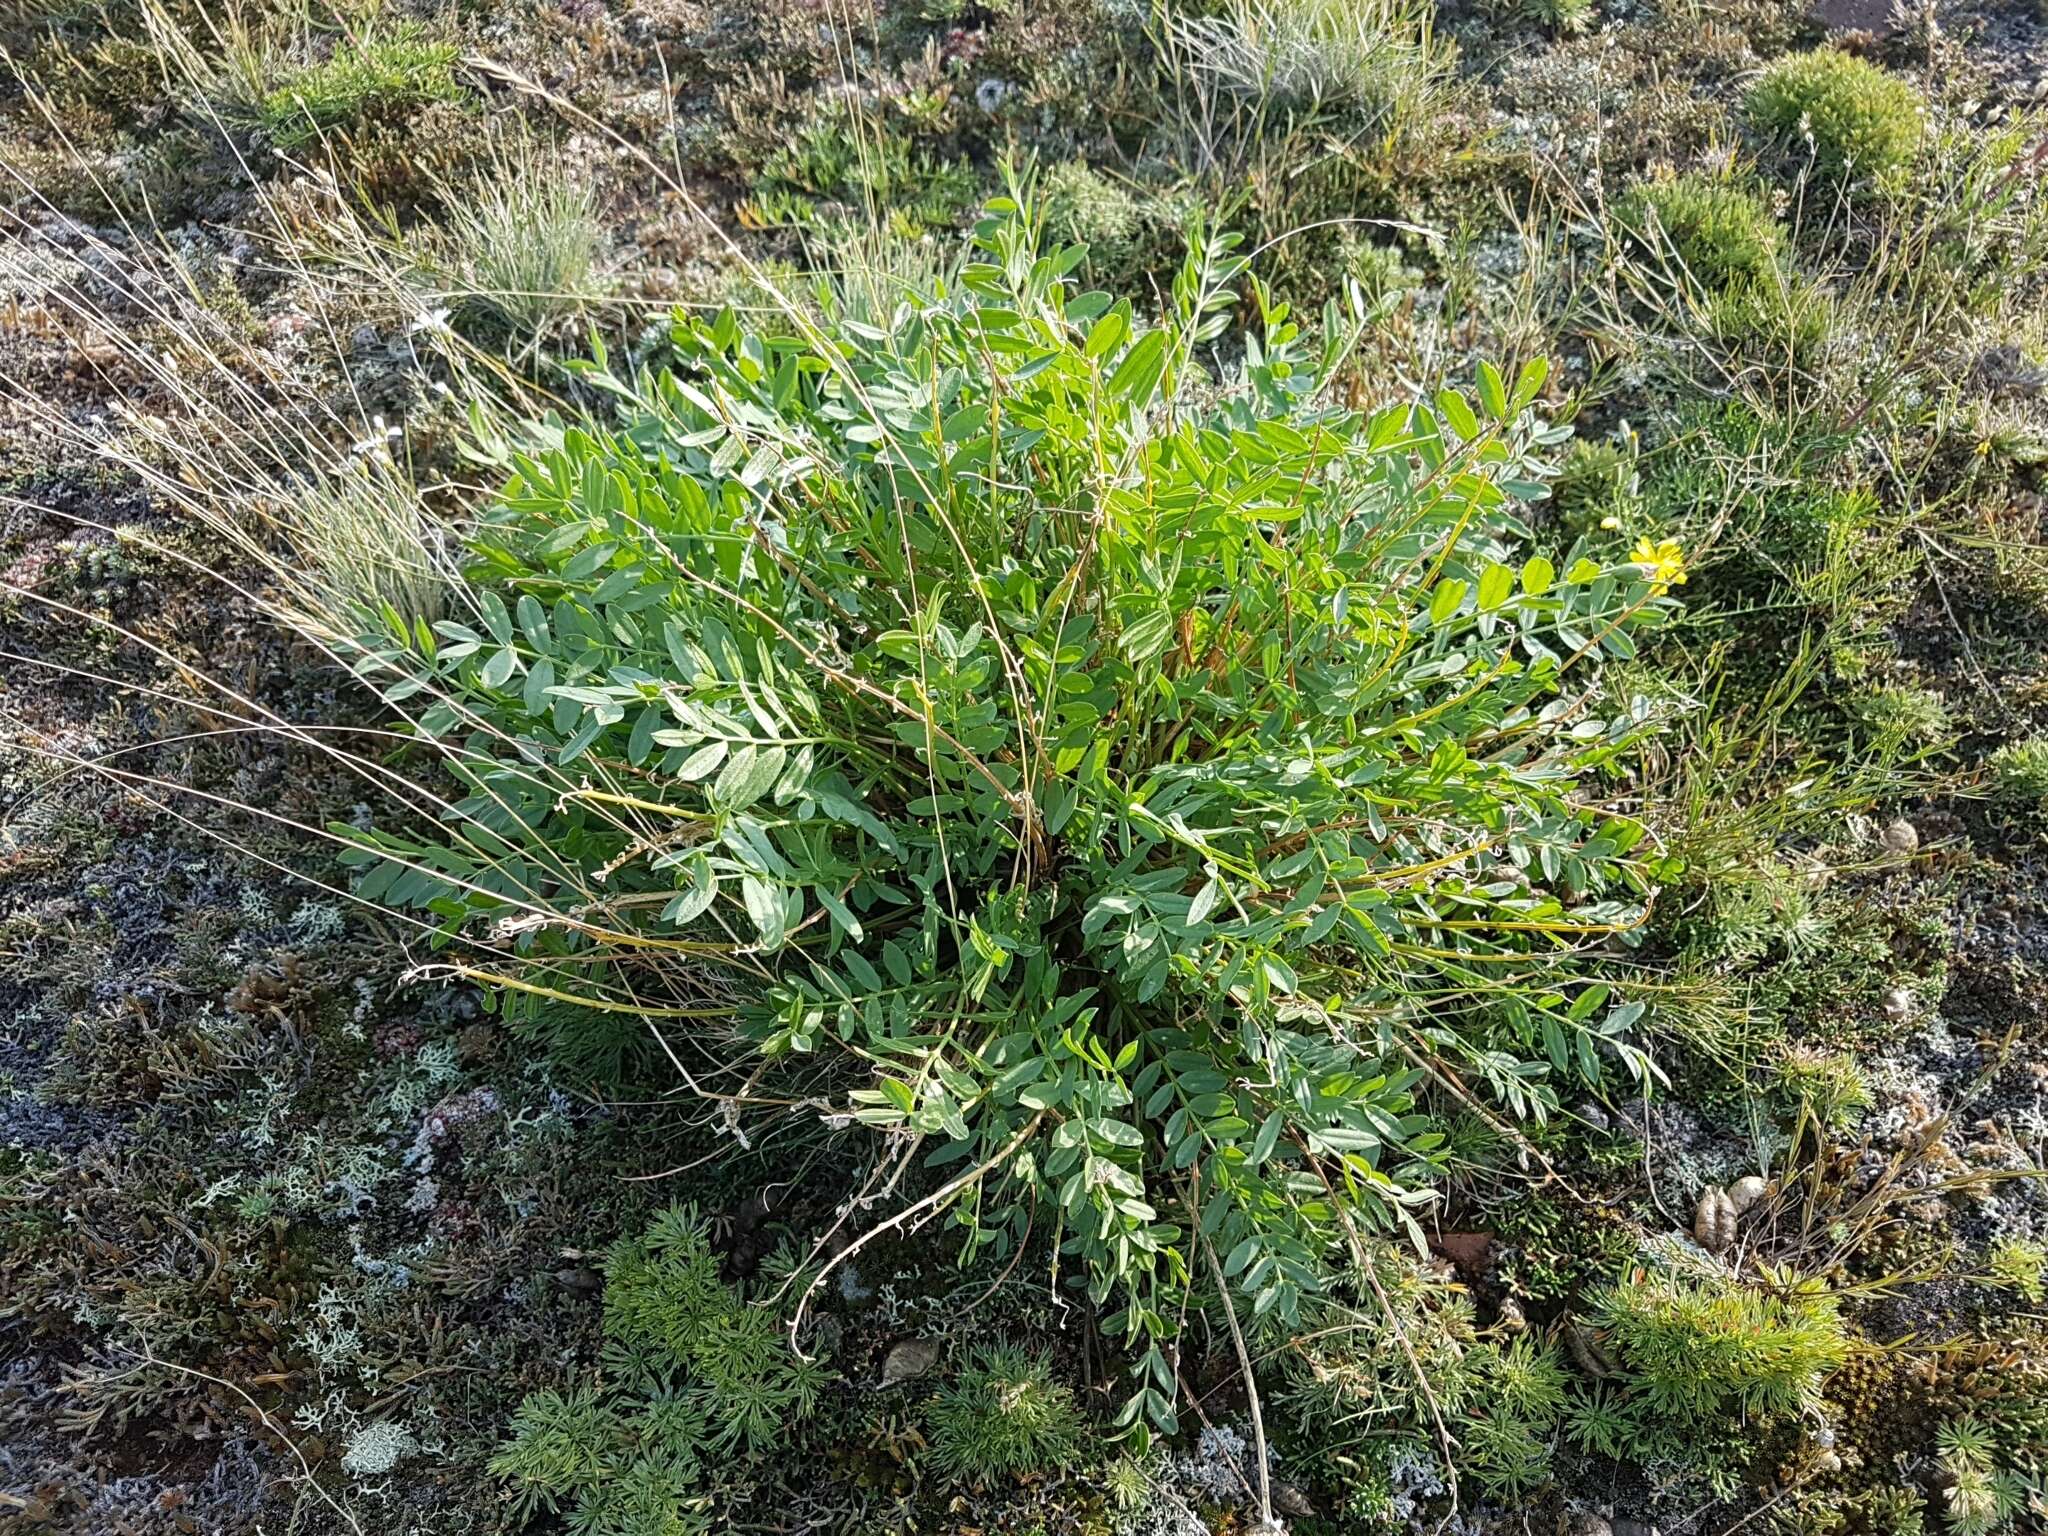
{"type": "Point", "coordinates": [1116, 781]}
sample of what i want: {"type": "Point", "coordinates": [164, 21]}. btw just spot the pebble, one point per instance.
{"type": "Point", "coordinates": [909, 1360]}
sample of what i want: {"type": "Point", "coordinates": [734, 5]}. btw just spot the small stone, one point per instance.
{"type": "Point", "coordinates": [1902, 837]}
{"type": "Point", "coordinates": [909, 1360]}
{"type": "Point", "coordinates": [1291, 1501]}
{"type": "Point", "coordinates": [1590, 1524]}
{"type": "Point", "coordinates": [1898, 1004]}
{"type": "Point", "coordinates": [1746, 1191]}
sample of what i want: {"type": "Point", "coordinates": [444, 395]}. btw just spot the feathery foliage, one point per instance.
{"type": "Point", "coordinates": [692, 1374]}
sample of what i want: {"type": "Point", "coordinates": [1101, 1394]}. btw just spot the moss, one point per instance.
{"type": "Point", "coordinates": [1862, 121]}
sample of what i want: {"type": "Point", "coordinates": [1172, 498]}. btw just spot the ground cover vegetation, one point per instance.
{"type": "Point", "coordinates": [1058, 766]}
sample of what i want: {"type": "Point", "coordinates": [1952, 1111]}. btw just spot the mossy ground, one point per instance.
{"type": "Point", "coordinates": [289, 1228]}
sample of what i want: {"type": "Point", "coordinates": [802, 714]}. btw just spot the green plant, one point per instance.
{"type": "Point", "coordinates": [1764, 909]}
{"type": "Point", "coordinates": [1084, 207]}
{"type": "Point", "coordinates": [2021, 1264]}
{"type": "Point", "coordinates": [1857, 119]}
{"type": "Point", "coordinates": [1566, 17]}
{"type": "Point", "coordinates": [1605, 1423]}
{"type": "Point", "coordinates": [381, 72]}
{"type": "Point", "coordinates": [1721, 231]}
{"type": "Point", "coordinates": [1598, 488]}
{"type": "Point", "coordinates": [1702, 1348]}
{"type": "Point", "coordinates": [878, 172]}
{"type": "Point", "coordinates": [1981, 1496]}
{"type": "Point", "coordinates": [1525, 1380]}
{"type": "Point", "coordinates": [1377, 60]}
{"type": "Point", "coordinates": [2019, 769]}
{"type": "Point", "coordinates": [1899, 718]}
{"type": "Point", "coordinates": [1003, 1417]}
{"type": "Point", "coordinates": [522, 239]}
{"type": "Point", "coordinates": [1507, 1456]}
{"type": "Point", "coordinates": [948, 684]}
{"type": "Point", "coordinates": [1507, 1435]}
{"type": "Point", "coordinates": [693, 1373]}
{"type": "Point", "coordinates": [1827, 1085]}
{"type": "Point", "coordinates": [561, 1444]}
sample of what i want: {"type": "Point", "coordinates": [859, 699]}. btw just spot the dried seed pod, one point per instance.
{"type": "Point", "coordinates": [1898, 1004]}
{"type": "Point", "coordinates": [1746, 1191]}
{"type": "Point", "coordinates": [1586, 1348]}
{"type": "Point", "coordinates": [1713, 1224]}
{"type": "Point", "coordinates": [1511, 1315]}
{"type": "Point", "coordinates": [1902, 837]}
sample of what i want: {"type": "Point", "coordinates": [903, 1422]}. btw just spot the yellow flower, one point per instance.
{"type": "Point", "coordinates": [1663, 562]}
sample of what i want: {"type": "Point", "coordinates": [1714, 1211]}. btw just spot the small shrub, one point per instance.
{"type": "Point", "coordinates": [813, 667]}
{"type": "Point", "coordinates": [1862, 121]}
{"type": "Point", "coordinates": [1722, 232]}
{"type": "Point", "coordinates": [1004, 1417]}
